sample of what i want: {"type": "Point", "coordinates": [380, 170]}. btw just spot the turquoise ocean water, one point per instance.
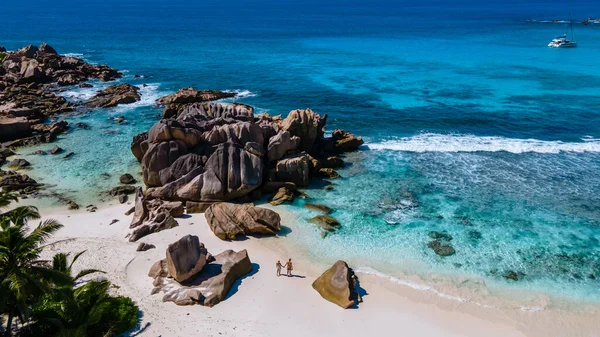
{"type": "Point", "coordinates": [472, 125]}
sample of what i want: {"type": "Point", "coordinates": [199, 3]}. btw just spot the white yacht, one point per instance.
{"type": "Point", "coordinates": [562, 41]}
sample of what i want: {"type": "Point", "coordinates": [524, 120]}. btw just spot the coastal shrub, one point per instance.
{"type": "Point", "coordinates": [2, 56]}
{"type": "Point", "coordinates": [120, 315]}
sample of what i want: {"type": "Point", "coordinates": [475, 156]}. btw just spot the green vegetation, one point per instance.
{"type": "Point", "coordinates": [2, 56]}
{"type": "Point", "coordinates": [47, 296]}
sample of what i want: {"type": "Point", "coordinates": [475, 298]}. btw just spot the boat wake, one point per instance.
{"type": "Point", "coordinates": [431, 142]}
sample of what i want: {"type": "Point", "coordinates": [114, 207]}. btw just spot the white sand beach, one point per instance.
{"type": "Point", "coordinates": [266, 305]}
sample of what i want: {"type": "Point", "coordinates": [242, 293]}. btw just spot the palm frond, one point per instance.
{"type": "Point", "coordinates": [59, 262]}
{"type": "Point", "coordinates": [86, 272]}
{"type": "Point", "coordinates": [75, 258]}
{"type": "Point", "coordinates": [45, 230]}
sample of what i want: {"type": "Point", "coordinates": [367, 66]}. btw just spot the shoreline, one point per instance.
{"type": "Point", "coordinates": [425, 312]}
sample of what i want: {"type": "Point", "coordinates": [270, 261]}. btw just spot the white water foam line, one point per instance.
{"type": "Point", "coordinates": [422, 287]}
{"type": "Point", "coordinates": [431, 142]}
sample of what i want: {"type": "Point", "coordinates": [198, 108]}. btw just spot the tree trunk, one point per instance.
{"type": "Point", "coordinates": [7, 333]}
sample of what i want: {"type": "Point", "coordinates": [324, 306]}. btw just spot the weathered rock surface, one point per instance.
{"type": "Point", "coordinates": [149, 217]}
{"type": "Point", "coordinates": [185, 258]}
{"type": "Point", "coordinates": [283, 195]}
{"type": "Point", "coordinates": [326, 222]}
{"type": "Point", "coordinates": [346, 141]}
{"type": "Point", "coordinates": [304, 124]}
{"type": "Point", "coordinates": [316, 207]}
{"type": "Point", "coordinates": [203, 152]}
{"type": "Point", "coordinates": [19, 163]}
{"type": "Point", "coordinates": [281, 144]}
{"type": "Point", "coordinates": [27, 77]}
{"type": "Point", "coordinates": [210, 286]}
{"type": "Point", "coordinates": [440, 248]}
{"type": "Point", "coordinates": [192, 207]}
{"type": "Point", "coordinates": [295, 169]}
{"type": "Point", "coordinates": [142, 247]}
{"type": "Point", "coordinates": [127, 179]}
{"type": "Point", "coordinates": [191, 95]}
{"type": "Point", "coordinates": [230, 172]}
{"type": "Point", "coordinates": [227, 220]}
{"type": "Point", "coordinates": [115, 95]}
{"type": "Point", "coordinates": [13, 181]}
{"type": "Point", "coordinates": [337, 285]}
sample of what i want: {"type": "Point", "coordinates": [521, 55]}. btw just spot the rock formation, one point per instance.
{"type": "Point", "coordinates": [204, 151]}
{"type": "Point", "coordinates": [185, 258]}
{"type": "Point", "coordinates": [151, 217]}
{"type": "Point", "coordinates": [227, 220]}
{"type": "Point", "coordinates": [338, 285]}
{"type": "Point", "coordinates": [27, 80]}
{"type": "Point", "coordinates": [115, 95]}
{"type": "Point", "coordinates": [207, 284]}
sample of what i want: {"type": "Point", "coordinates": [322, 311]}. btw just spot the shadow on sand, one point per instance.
{"type": "Point", "coordinates": [236, 285]}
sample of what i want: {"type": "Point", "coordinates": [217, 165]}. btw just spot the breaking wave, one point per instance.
{"type": "Point", "coordinates": [431, 142]}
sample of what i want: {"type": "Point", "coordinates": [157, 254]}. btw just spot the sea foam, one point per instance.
{"type": "Point", "coordinates": [432, 142]}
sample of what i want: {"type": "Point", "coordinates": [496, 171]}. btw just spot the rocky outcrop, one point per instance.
{"type": "Point", "coordinates": [185, 258]}
{"type": "Point", "coordinates": [338, 285]}
{"type": "Point", "coordinates": [191, 95]}
{"type": "Point", "coordinates": [13, 181]}
{"type": "Point", "coordinates": [115, 95]}
{"type": "Point", "coordinates": [228, 221]}
{"type": "Point", "coordinates": [208, 287]}
{"type": "Point", "coordinates": [27, 80]}
{"type": "Point", "coordinates": [283, 195]}
{"type": "Point", "coordinates": [176, 103]}
{"type": "Point", "coordinates": [319, 208]}
{"type": "Point", "coordinates": [127, 179]}
{"type": "Point", "coordinates": [326, 222]}
{"type": "Point", "coordinates": [281, 144]}
{"type": "Point", "coordinates": [151, 216]}
{"type": "Point", "coordinates": [295, 169]}
{"type": "Point", "coordinates": [230, 172]}
{"type": "Point", "coordinates": [190, 275]}
{"type": "Point", "coordinates": [204, 152]}
{"type": "Point", "coordinates": [346, 141]}
{"type": "Point", "coordinates": [19, 163]}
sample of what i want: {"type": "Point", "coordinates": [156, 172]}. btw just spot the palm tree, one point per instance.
{"type": "Point", "coordinates": [61, 264]}
{"type": "Point", "coordinates": [23, 278]}
{"type": "Point", "coordinates": [73, 311]}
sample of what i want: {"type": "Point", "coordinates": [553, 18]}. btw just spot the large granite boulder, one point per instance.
{"type": "Point", "coordinates": [191, 95]}
{"type": "Point", "coordinates": [170, 129]}
{"type": "Point", "coordinates": [158, 220]}
{"type": "Point", "coordinates": [210, 286]}
{"type": "Point", "coordinates": [115, 95]}
{"type": "Point", "coordinates": [14, 128]}
{"type": "Point", "coordinates": [45, 48]}
{"type": "Point", "coordinates": [240, 133]}
{"type": "Point", "coordinates": [158, 157]}
{"type": "Point", "coordinates": [181, 167]}
{"type": "Point", "coordinates": [346, 141]}
{"type": "Point", "coordinates": [337, 285]}
{"type": "Point", "coordinates": [185, 258]}
{"type": "Point", "coordinates": [304, 124]}
{"type": "Point", "coordinates": [228, 221]}
{"type": "Point", "coordinates": [283, 195]}
{"type": "Point", "coordinates": [139, 146]}
{"type": "Point", "coordinates": [295, 169]}
{"type": "Point", "coordinates": [230, 172]}
{"type": "Point", "coordinates": [14, 181]}
{"type": "Point", "coordinates": [281, 144]}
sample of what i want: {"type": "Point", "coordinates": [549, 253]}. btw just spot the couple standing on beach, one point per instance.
{"type": "Point", "coordinates": [288, 266]}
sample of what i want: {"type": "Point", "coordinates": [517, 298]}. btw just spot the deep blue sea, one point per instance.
{"type": "Point", "coordinates": [472, 124]}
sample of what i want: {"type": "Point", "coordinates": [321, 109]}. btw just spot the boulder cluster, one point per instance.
{"type": "Point", "coordinates": [210, 151]}
{"type": "Point", "coordinates": [28, 78]}
{"type": "Point", "coordinates": [190, 275]}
